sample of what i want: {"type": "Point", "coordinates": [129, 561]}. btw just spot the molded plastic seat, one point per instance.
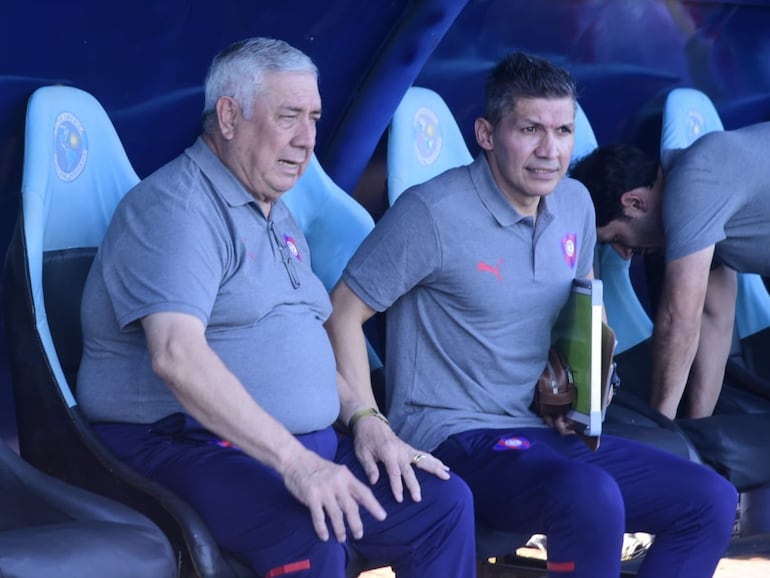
{"type": "Point", "coordinates": [50, 528]}
{"type": "Point", "coordinates": [423, 141]}
{"type": "Point", "coordinates": [75, 173]}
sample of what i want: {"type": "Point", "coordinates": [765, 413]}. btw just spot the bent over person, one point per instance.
{"type": "Point", "coordinates": [207, 367]}
{"type": "Point", "coordinates": [708, 208]}
{"type": "Point", "coordinates": [473, 268]}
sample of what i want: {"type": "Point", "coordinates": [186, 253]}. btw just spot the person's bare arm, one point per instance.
{"type": "Point", "coordinates": [677, 328]}
{"type": "Point", "coordinates": [214, 396]}
{"type": "Point", "coordinates": [374, 440]}
{"type": "Point", "coordinates": [716, 333]}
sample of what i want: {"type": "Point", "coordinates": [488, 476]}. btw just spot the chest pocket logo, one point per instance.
{"type": "Point", "coordinates": [569, 249]}
{"type": "Point", "coordinates": [495, 270]}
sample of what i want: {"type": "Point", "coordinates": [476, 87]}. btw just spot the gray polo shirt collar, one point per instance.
{"type": "Point", "coordinates": [222, 179]}
{"type": "Point", "coordinates": [494, 199]}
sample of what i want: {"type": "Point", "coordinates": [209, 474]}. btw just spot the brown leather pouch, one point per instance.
{"type": "Point", "coordinates": [555, 389]}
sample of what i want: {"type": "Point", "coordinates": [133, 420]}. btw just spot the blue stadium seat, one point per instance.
{"type": "Point", "coordinates": [50, 528]}
{"type": "Point", "coordinates": [585, 139]}
{"type": "Point", "coordinates": [75, 173]}
{"type": "Point", "coordinates": [423, 141]}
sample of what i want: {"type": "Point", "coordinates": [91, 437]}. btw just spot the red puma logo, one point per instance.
{"type": "Point", "coordinates": [490, 269]}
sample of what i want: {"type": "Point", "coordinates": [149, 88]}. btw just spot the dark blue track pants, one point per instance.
{"type": "Point", "coordinates": [252, 515]}
{"type": "Point", "coordinates": [534, 480]}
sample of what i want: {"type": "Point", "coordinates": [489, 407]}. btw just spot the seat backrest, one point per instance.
{"type": "Point", "coordinates": [423, 141]}
{"type": "Point", "coordinates": [75, 173]}
{"type": "Point", "coordinates": [688, 114]}
{"type": "Point", "coordinates": [585, 139]}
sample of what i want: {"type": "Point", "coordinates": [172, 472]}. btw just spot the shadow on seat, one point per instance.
{"type": "Point", "coordinates": [75, 173]}
{"type": "Point", "coordinates": [50, 528]}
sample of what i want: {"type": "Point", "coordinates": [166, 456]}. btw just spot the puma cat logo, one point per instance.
{"type": "Point", "coordinates": [490, 269]}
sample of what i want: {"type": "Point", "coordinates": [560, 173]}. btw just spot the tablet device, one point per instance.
{"type": "Point", "coordinates": [587, 345]}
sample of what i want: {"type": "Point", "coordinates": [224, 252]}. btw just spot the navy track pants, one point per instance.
{"type": "Point", "coordinates": [252, 515]}
{"type": "Point", "coordinates": [534, 480]}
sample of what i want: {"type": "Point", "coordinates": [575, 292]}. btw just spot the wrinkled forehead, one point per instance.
{"type": "Point", "coordinates": [558, 111]}
{"type": "Point", "coordinates": [296, 91]}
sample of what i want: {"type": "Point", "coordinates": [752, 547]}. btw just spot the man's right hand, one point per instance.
{"type": "Point", "coordinates": [330, 491]}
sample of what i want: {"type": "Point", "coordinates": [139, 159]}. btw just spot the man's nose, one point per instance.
{"type": "Point", "coordinates": [548, 147]}
{"type": "Point", "coordinates": [305, 134]}
{"type": "Point", "coordinates": [623, 251]}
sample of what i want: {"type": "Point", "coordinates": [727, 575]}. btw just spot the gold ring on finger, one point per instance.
{"type": "Point", "coordinates": [417, 458]}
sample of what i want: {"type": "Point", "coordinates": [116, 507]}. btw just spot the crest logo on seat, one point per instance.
{"type": "Point", "coordinates": [427, 136]}
{"type": "Point", "coordinates": [70, 146]}
{"type": "Point", "coordinates": [694, 125]}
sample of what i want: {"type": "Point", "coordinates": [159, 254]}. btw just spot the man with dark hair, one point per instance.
{"type": "Point", "coordinates": [473, 267]}
{"type": "Point", "coordinates": [207, 367]}
{"type": "Point", "coordinates": [708, 208]}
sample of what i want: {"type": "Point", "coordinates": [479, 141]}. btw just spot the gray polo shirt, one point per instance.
{"type": "Point", "coordinates": [190, 239]}
{"type": "Point", "coordinates": [717, 192]}
{"type": "Point", "coordinates": [472, 290]}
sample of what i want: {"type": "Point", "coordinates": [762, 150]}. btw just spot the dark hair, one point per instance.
{"type": "Point", "coordinates": [610, 171]}
{"type": "Point", "coordinates": [521, 75]}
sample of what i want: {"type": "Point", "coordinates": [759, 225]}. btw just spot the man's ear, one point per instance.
{"type": "Point", "coordinates": [635, 199]}
{"type": "Point", "coordinates": [484, 133]}
{"type": "Point", "coordinates": [227, 114]}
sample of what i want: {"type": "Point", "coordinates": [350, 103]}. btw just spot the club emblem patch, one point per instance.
{"type": "Point", "coordinates": [516, 443]}
{"type": "Point", "coordinates": [694, 124]}
{"type": "Point", "coordinates": [292, 246]}
{"type": "Point", "coordinates": [569, 249]}
{"type": "Point", "coordinates": [70, 146]}
{"type": "Point", "coordinates": [427, 136]}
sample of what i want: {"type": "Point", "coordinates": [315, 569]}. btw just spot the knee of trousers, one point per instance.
{"type": "Point", "coordinates": [450, 494]}
{"type": "Point", "coordinates": [713, 501]}
{"type": "Point", "coordinates": [587, 495]}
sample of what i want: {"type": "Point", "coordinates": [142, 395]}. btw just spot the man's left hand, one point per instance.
{"type": "Point", "coordinates": [376, 442]}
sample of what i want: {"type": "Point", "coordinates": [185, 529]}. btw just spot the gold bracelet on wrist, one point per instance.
{"type": "Point", "coordinates": [369, 411]}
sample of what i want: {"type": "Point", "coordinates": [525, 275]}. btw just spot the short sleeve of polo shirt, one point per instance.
{"type": "Point", "coordinates": [405, 243]}
{"type": "Point", "coordinates": [182, 260]}
{"type": "Point", "coordinates": [696, 206]}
